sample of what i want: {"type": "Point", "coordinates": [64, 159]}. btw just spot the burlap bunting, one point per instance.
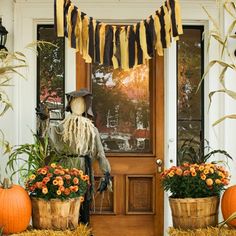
{"type": "Point", "coordinates": [120, 46]}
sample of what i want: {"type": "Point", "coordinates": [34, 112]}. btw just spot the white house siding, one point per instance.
{"type": "Point", "coordinates": [27, 13]}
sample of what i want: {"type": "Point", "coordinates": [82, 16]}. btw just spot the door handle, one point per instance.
{"type": "Point", "coordinates": [159, 165]}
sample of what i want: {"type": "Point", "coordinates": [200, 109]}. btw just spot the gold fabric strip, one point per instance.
{"type": "Point", "coordinates": [178, 17]}
{"type": "Point", "coordinates": [78, 30]}
{"type": "Point", "coordinates": [102, 41]}
{"type": "Point", "coordinates": [167, 26]}
{"type": "Point", "coordinates": [158, 45]}
{"type": "Point", "coordinates": [85, 38]}
{"type": "Point", "coordinates": [60, 17]}
{"type": "Point", "coordinates": [143, 42]}
{"type": "Point", "coordinates": [124, 49]}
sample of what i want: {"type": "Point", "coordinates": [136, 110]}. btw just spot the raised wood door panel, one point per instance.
{"type": "Point", "coordinates": [135, 207]}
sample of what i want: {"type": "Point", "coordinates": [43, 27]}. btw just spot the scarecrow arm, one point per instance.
{"type": "Point", "coordinates": [105, 182]}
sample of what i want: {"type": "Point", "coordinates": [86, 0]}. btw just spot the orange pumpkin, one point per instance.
{"type": "Point", "coordinates": [228, 204]}
{"type": "Point", "coordinates": [15, 208]}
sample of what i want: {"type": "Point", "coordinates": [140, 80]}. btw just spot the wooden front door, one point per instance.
{"type": "Point", "coordinates": [135, 207]}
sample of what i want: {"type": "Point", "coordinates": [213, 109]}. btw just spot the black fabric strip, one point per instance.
{"type": "Point", "coordinates": [97, 43]}
{"type": "Point", "coordinates": [118, 52]}
{"type": "Point", "coordinates": [108, 49]}
{"type": "Point", "coordinates": [66, 7]}
{"type": "Point", "coordinates": [163, 31]}
{"type": "Point", "coordinates": [140, 52]}
{"type": "Point", "coordinates": [55, 17]}
{"type": "Point", "coordinates": [131, 46]}
{"type": "Point", "coordinates": [91, 39]}
{"type": "Point", "coordinates": [148, 38]}
{"type": "Point", "coordinates": [152, 34]}
{"type": "Point", "coordinates": [173, 18]}
{"type": "Point", "coordinates": [82, 15]}
{"type": "Point", "coordinates": [74, 14]}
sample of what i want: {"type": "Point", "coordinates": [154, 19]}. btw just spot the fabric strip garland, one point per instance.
{"type": "Point", "coordinates": [120, 46]}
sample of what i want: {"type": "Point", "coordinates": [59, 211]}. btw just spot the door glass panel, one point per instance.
{"type": "Point", "coordinates": [121, 102]}
{"type": "Point", "coordinates": [51, 71]}
{"type": "Point", "coordinates": [190, 105]}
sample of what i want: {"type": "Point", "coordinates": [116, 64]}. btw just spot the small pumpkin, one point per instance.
{"type": "Point", "coordinates": [228, 204]}
{"type": "Point", "coordinates": [15, 208]}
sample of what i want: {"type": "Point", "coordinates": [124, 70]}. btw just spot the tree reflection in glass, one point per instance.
{"type": "Point", "coordinates": [190, 115]}
{"type": "Point", "coordinates": [51, 71]}
{"type": "Point", "coordinates": [122, 107]}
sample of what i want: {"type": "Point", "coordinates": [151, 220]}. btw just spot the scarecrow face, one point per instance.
{"type": "Point", "coordinates": [78, 106]}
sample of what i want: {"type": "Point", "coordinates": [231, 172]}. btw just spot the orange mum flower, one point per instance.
{"type": "Point", "coordinates": [67, 177]}
{"type": "Point", "coordinates": [53, 165]}
{"type": "Point", "coordinates": [76, 188]}
{"type": "Point", "coordinates": [46, 179]}
{"type": "Point", "coordinates": [39, 185]}
{"type": "Point", "coordinates": [209, 182]}
{"type": "Point", "coordinates": [203, 177]}
{"type": "Point", "coordinates": [67, 191]}
{"type": "Point", "coordinates": [49, 175]}
{"type": "Point", "coordinates": [211, 170]}
{"type": "Point", "coordinates": [32, 177]}
{"type": "Point", "coordinates": [62, 188]}
{"type": "Point", "coordinates": [75, 180]}
{"type": "Point", "coordinates": [81, 199]}
{"type": "Point", "coordinates": [86, 177]}
{"type": "Point", "coordinates": [201, 168]}
{"type": "Point", "coordinates": [186, 173]}
{"type": "Point", "coordinates": [55, 182]}
{"type": "Point", "coordinates": [43, 171]}
{"type": "Point", "coordinates": [45, 190]}
{"type": "Point", "coordinates": [71, 188]}
{"type": "Point", "coordinates": [57, 171]}
{"type": "Point", "coordinates": [60, 182]}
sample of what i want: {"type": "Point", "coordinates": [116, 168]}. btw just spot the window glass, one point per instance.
{"type": "Point", "coordinates": [190, 115]}
{"type": "Point", "coordinates": [122, 107]}
{"type": "Point", "coordinates": [51, 71]}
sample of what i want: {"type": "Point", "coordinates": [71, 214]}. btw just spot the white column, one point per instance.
{"type": "Point", "coordinates": [7, 121]}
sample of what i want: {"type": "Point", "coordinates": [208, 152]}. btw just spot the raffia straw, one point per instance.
{"type": "Point", "coordinates": [82, 230]}
{"type": "Point", "coordinates": [211, 231]}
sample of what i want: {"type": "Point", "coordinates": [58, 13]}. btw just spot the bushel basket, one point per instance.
{"type": "Point", "coordinates": [193, 213]}
{"type": "Point", "coordinates": [55, 214]}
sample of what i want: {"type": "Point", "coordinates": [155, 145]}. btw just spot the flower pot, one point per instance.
{"type": "Point", "coordinates": [55, 214]}
{"type": "Point", "coordinates": [193, 213]}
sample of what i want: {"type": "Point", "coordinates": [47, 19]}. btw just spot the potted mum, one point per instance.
{"type": "Point", "coordinates": [195, 191]}
{"type": "Point", "coordinates": [56, 195]}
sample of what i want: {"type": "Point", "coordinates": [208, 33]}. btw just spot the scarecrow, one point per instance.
{"type": "Point", "coordinates": [78, 140]}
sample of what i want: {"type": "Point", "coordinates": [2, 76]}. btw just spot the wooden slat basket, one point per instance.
{"type": "Point", "coordinates": [194, 213]}
{"type": "Point", "coordinates": [55, 214]}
